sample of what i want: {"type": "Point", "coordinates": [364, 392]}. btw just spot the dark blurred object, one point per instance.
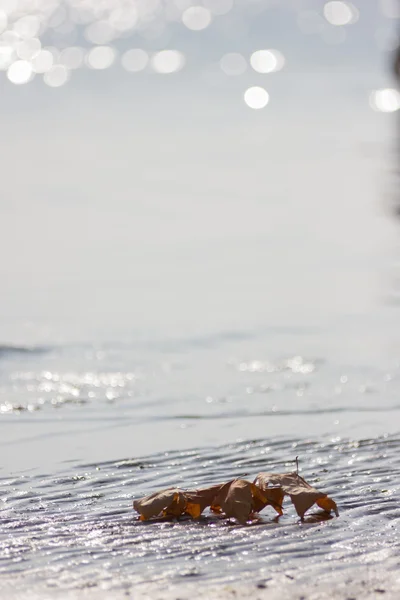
{"type": "Point", "coordinates": [397, 63]}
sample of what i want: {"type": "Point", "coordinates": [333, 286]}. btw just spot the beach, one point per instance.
{"type": "Point", "coordinates": [199, 282]}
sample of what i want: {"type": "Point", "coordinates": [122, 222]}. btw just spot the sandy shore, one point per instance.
{"type": "Point", "coordinates": [363, 584]}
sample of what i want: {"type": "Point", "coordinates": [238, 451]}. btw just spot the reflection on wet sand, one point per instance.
{"type": "Point", "coordinates": [77, 529]}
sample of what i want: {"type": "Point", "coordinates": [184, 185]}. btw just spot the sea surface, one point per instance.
{"type": "Point", "coordinates": [194, 290]}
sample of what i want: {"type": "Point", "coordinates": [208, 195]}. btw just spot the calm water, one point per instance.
{"type": "Point", "coordinates": [193, 290]}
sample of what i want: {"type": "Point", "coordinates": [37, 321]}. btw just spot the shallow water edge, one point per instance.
{"type": "Point", "coordinates": [75, 532]}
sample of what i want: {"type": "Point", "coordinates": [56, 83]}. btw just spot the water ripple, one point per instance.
{"type": "Point", "coordinates": [78, 528]}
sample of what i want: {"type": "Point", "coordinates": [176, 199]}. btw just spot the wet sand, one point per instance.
{"type": "Point", "coordinates": [365, 584]}
{"type": "Point", "coordinates": [74, 533]}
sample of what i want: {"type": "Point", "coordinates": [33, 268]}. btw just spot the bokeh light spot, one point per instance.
{"type": "Point", "coordinates": [196, 18]}
{"type": "Point", "coordinates": [56, 76]}
{"type": "Point", "coordinates": [168, 61]}
{"type": "Point", "coordinates": [124, 18]}
{"type": "Point", "coordinates": [27, 26]}
{"type": "Point", "coordinates": [134, 60]}
{"type": "Point", "coordinates": [72, 57]}
{"type": "Point", "coordinates": [58, 17]}
{"type": "Point", "coordinates": [10, 38]}
{"type": "Point", "coordinates": [29, 48]}
{"type": "Point", "coordinates": [256, 97]}
{"type": "Point", "coordinates": [101, 57]}
{"type": "Point", "coordinates": [20, 72]}
{"type": "Point", "coordinates": [100, 32]}
{"type": "Point", "coordinates": [7, 54]}
{"type": "Point", "coordinates": [267, 61]}
{"type": "Point", "coordinates": [337, 12]}
{"type": "Point", "coordinates": [233, 64]}
{"type": "Point", "coordinates": [9, 6]}
{"type": "Point", "coordinates": [386, 100]}
{"type": "Point", "coordinates": [3, 20]}
{"type": "Point", "coordinates": [43, 61]}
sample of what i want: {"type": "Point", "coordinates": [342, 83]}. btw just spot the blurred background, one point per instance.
{"type": "Point", "coordinates": [181, 166]}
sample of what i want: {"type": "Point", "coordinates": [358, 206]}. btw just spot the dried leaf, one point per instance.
{"type": "Point", "coordinates": [328, 504]}
{"type": "Point", "coordinates": [236, 500]}
{"type": "Point", "coordinates": [177, 507]}
{"type": "Point", "coordinates": [301, 493]}
{"type": "Point", "coordinates": [174, 502]}
{"type": "Point", "coordinates": [269, 496]}
{"type": "Point", "coordinates": [240, 499]}
{"type": "Point", "coordinates": [198, 500]}
{"type": "Point", "coordinates": [193, 510]}
{"type": "Point", "coordinates": [169, 502]}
